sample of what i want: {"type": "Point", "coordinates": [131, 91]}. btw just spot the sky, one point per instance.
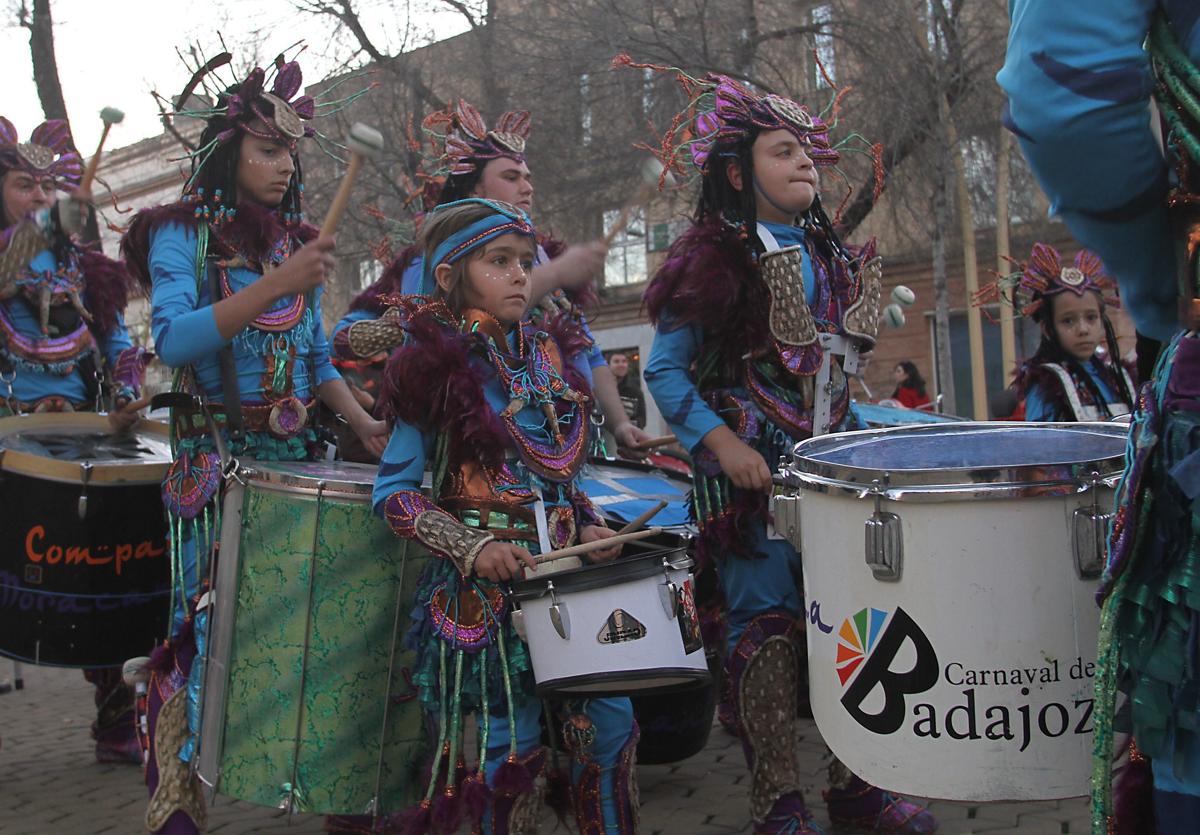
{"type": "Point", "coordinates": [114, 52]}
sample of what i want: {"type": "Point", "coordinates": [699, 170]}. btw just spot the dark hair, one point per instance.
{"type": "Point", "coordinates": [912, 378]}
{"type": "Point", "coordinates": [218, 171]}
{"type": "Point", "coordinates": [1051, 350]}
{"type": "Point", "coordinates": [461, 186]}
{"type": "Point", "coordinates": [719, 199]}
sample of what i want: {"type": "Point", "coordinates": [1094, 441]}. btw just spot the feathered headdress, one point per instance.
{"type": "Point", "coordinates": [50, 152]}
{"type": "Point", "coordinates": [467, 144]}
{"type": "Point", "coordinates": [1044, 275]}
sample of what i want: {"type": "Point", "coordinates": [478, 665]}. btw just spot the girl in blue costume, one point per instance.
{"type": "Point", "coordinates": [496, 408]}
{"type": "Point", "coordinates": [63, 342]}
{"type": "Point", "coordinates": [1065, 380]}
{"type": "Point", "coordinates": [473, 161]}
{"type": "Point", "coordinates": [734, 370]}
{"type": "Point", "coordinates": [231, 267]}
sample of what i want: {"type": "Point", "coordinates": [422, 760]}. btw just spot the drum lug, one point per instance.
{"type": "Point", "coordinates": [787, 518]}
{"type": "Point", "coordinates": [559, 616]}
{"type": "Point", "coordinates": [518, 622]}
{"type": "Point", "coordinates": [1089, 533]}
{"type": "Point", "coordinates": [884, 541]}
{"type": "Point", "coordinates": [668, 592]}
{"type": "Point", "coordinates": [85, 475]}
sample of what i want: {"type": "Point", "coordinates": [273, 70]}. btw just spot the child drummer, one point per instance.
{"type": "Point", "coordinates": [497, 409]}
{"type": "Point", "coordinates": [63, 342]}
{"type": "Point", "coordinates": [1067, 379]}
{"type": "Point", "coordinates": [736, 368]}
{"type": "Point", "coordinates": [236, 279]}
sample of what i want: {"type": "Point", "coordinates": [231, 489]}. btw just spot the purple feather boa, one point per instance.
{"type": "Point", "coordinates": [254, 230]}
{"type": "Point", "coordinates": [107, 284]}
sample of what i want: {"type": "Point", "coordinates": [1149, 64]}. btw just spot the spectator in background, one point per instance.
{"type": "Point", "coordinates": [629, 387]}
{"type": "Point", "coordinates": [910, 386]}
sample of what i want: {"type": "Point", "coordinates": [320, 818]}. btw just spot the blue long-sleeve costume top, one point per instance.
{"type": "Point", "coordinates": [185, 328]}
{"type": "Point", "coordinates": [1040, 404]}
{"type": "Point", "coordinates": [22, 341]}
{"type": "Point", "coordinates": [668, 371]}
{"type": "Point", "coordinates": [1079, 86]}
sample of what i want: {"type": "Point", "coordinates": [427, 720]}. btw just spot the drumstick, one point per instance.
{"type": "Point", "coordinates": [650, 172]}
{"type": "Point", "coordinates": [363, 142]}
{"type": "Point", "coordinates": [643, 519]}
{"type": "Point", "coordinates": [110, 116]}
{"type": "Point", "coordinates": [652, 443]}
{"type": "Point", "coordinates": [596, 545]}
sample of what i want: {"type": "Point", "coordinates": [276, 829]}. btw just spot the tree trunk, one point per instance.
{"type": "Point", "coordinates": [1008, 340]}
{"type": "Point", "coordinates": [941, 289]}
{"type": "Point", "coordinates": [979, 399]}
{"type": "Point", "coordinates": [45, 66]}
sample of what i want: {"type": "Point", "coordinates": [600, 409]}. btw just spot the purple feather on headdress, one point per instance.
{"type": "Point", "coordinates": [288, 81]}
{"type": "Point", "coordinates": [8, 132]}
{"type": "Point", "coordinates": [54, 134]}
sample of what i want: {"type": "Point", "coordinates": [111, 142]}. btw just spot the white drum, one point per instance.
{"type": "Point", "coordinates": [629, 626]}
{"type": "Point", "coordinates": [956, 660]}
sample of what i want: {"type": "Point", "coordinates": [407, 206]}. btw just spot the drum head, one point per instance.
{"type": "Point", "coordinates": [65, 446]}
{"type": "Point", "coordinates": [599, 575]}
{"type": "Point", "coordinates": [963, 455]}
{"type": "Point", "coordinates": [339, 477]}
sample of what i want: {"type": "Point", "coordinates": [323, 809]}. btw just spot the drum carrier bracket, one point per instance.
{"type": "Point", "coordinates": [884, 537]}
{"type": "Point", "coordinates": [1089, 533]}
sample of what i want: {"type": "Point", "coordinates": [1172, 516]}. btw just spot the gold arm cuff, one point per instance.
{"type": "Point", "coordinates": [441, 532]}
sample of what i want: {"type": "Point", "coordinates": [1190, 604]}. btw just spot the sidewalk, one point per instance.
{"type": "Point", "coordinates": [50, 783]}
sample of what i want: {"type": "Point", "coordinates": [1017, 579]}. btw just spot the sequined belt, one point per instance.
{"type": "Point", "coordinates": [502, 520]}
{"type": "Point", "coordinates": [284, 419]}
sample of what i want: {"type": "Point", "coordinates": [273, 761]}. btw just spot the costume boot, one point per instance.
{"type": "Point", "coordinates": [765, 675]}
{"type": "Point", "coordinates": [587, 793]}
{"type": "Point", "coordinates": [853, 803]}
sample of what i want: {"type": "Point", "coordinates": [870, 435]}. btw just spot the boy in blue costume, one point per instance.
{"type": "Point", "coordinates": [747, 305]}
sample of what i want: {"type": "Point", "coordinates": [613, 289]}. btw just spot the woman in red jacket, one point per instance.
{"type": "Point", "coordinates": [910, 385]}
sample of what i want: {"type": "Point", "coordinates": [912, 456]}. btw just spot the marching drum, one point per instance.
{"type": "Point", "coordinates": [957, 661]}
{"type": "Point", "coordinates": [84, 573]}
{"type": "Point", "coordinates": [676, 724]}
{"type": "Point", "coordinates": [613, 628]}
{"type": "Point", "coordinates": [308, 703]}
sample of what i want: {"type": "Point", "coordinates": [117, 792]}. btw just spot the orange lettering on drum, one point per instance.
{"type": "Point", "coordinates": [82, 554]}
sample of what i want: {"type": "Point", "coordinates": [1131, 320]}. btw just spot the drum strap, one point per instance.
{"type": "Point", "coordinates": [230, 393]}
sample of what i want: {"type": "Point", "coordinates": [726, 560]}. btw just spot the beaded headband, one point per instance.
{"type": "Point", "coordinates": [505, 219]}
{"type": "Point", "coordinates": [50, 152]}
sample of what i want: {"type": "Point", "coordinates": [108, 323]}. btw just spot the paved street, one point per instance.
{"type": "Point", "coordinates": [50, 783]}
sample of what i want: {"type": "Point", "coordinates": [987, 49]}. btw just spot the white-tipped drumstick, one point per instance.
{"type": "Point", "coordinates": [364, 141]}
{"type": "Point", "coordinates": [596, 545]}
{"type": "Point", "coordinates": [650, 172]}
{"type": "Point", "coordinates": [110, 116]}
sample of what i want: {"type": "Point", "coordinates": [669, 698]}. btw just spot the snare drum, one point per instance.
{"type": "Point", "coordinates": [956, 660]}
{"type": "Point", "coordinates": [84, 575]}
{"type": "Point", "coordinates": [676, 724]}
{"type": "Point", "coordinates": [612, 629]}
{"type": "Point", "coordinates": [307, 699]}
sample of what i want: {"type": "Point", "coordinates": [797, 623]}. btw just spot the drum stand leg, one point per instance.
{"type": "Point", "coordinates": [17, 682]}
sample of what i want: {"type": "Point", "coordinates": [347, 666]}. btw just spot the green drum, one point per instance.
{"type": "Point", "coordinates": [308, 704]}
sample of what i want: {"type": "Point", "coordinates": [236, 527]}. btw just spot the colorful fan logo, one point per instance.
{"type": "Point", "coordinates": [856, 639]}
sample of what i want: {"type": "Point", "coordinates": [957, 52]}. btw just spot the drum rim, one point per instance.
{"type": "Point", "coordinates": [72, 472]}
{"type": "Point", "coordinates": [692, 678]}
{"type": "Point", "coordinates": [948, 483]}
{"type": "Point", "coordinates": [275, 477]}
{"type": "Point", "coordinates": [600, 575]}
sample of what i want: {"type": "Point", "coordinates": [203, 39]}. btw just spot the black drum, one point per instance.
{"type": "Point", "coordinates": [85, 573]}
{"type": "Point", "coordinates": [674, 725]}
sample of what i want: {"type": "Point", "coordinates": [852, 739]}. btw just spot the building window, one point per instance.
{"type": "Point", "coordinates": [822, 17]}
{"type": "Point", "coordinates": [585, 107]}
{"type": "Point", "coordinates": [647, 91]}
{"type": "Point", "coordinates": [369, 272]}
{"type": "Point", "coordinates": [626, 262]}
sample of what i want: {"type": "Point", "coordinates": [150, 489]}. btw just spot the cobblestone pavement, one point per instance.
{"type": "Point", "coordinates": [51, 785]}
